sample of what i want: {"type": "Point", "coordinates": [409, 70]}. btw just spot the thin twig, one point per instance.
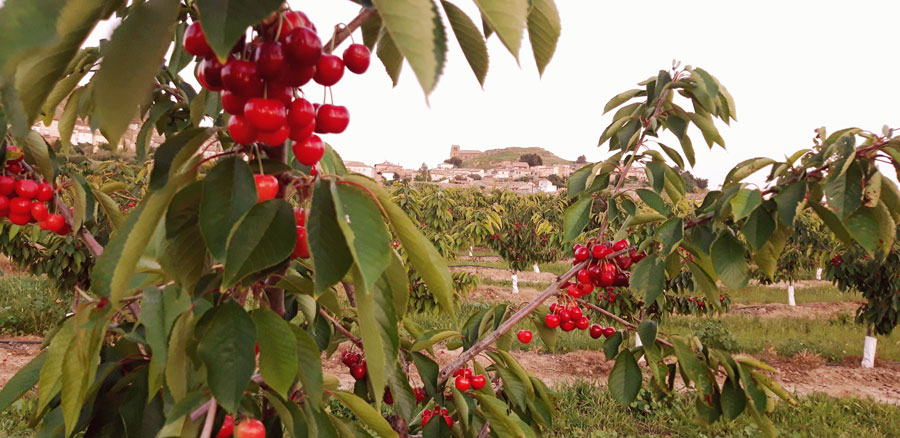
{"type": "Point", "coordinates": [628, 325]}
{"type": "Point", "coordinates": [202, 409]}
{"type": "Point", "coordinates": [210, 419]}
{"type": "Point", "coordinates": [341, 328]}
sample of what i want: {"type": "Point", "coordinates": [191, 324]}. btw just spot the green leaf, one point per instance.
{"type": "Point", "coordinates": [747, 168]}
{"type": "Point", "coordinates": [366, 413]}
{"type": "Point", "coordinates": [428, 370]}
{"type": "Point", "coordinates": [733, 399]}
{"type": "Point", "coordinates": [872, 227]}
{"type": "Point", "coordinates": [26, 24]}
{"type": "Point", "coordinates": [310, 365]}
{"type": "Point", "coordinates": [277, 350]}
{"type": "Point", "coordinates": [431, 338]}
{"type": "Point", "coordinates": [68, 117]}
{"type": "Point", "coordinates": [767, 256]}
{"type": "Point", "coordinates": [577, 217]}
{"type": "Point", "coordinates": [728, 259]}
{"type": "Point", "coordinates": [146, 132]}
{"type": "Point", "coordinates": [833, 222]}
{"type": "Point", "coordinates": [378, 330]}
{"type": "Point", "coordinates": [390, 56]}
{"type": "Point", "coordinates": [691, 366]}
{"type": "Point", "coordinates": [364, 230]}
{"type": "Point", "coordinates": [80, 364]}
{"type": "Point", "coordinates": [548, 335]}
{"type": "Point", "coordinates": [22, 381]}
{"type": "Point", "coordinates": [611, 345]}
{"type": "Point", "coordinates": [264, 237]}
{"type": "Point", "coordinates": [621, 98]}
{"type": "Point", "coordinates": [844, 192]}
{"type": "Point", "coordinates": [179, 58]}
{"type": "Point", "coordinates": [670, 234]}
{"type": "Point", "coordinates": [38, 74]}
{"type": "Point", "coordinates": [543, 31]}
{"type": "Point", "coordinates": [470, 40]}
{"type": "Point", "coordinates": [37, 152]}
{"type": "Point", "coordinates": [417, 31]}
{"type": "Point", "coordinates": [653, 201]}
{"type": "Point", "coordinates": [331, 256]}
{"type": "Point", "coordinates": [788, 200]}
{"type": "Point", "coordinates": [891, 198]}
{"type": "Point", "coordinates": [130, 62]}
{"type": "Point", "coordinates": [708, 129]}
{"type": "Point", "coordinates": [156, 332]}
{"type": "Point", "coordinates": [64, 87]}
{"type": "Point", "coordinates": [185, 142]}
{"type": "Point", "coordinates": [758, 227]}
{"type": "Point", "coordinates": [176, 373]}
{"type": "Point", "coordinates": [228, 193]}
{"type": "Point", "coordinates": [625, 379]}
{"type": "Point", "coordinates": [110, 209]}
{"type": "Point", "coordinates": [643, 218]}
{"type": "Point", "coordinates": [744, 202]}
{"type": "Point", "coordinates": [647, 331]}
{"type": "Point", "coordinates": [500, 417]}
{"type": "Point", "coordinates": [674, 155]}
{"type": "Point", "coordinates": [507, 18]}
{"type": "Point", "coordinates": [226, 349]}
{"type": "Point", "coordinates": [422, 255]}
{"type": "Point", "coordinates": [371, 30]}
{"type": "Point", "coordinates": [224, 21]}
{"type": "Point", "coordinates": [648, 278]}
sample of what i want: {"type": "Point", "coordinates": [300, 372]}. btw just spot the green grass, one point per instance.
{"type": "Point", "coordinates": [13, 421]}
{"type": "Point", "coordinates": [588, 411]}
{"type": "Point", "coordinates": [30, 305]}
{"type": "Point", "coordinates": [765, 294]}
{"type": "Point", "coordinates": [508, 283]}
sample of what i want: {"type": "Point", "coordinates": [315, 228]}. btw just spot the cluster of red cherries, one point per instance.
{"type": "Point", "coordinates": [24, 201]}
{"type": "Point", "coordinates": [569, 318]}
{"type": "Point", "coordinates": [837, 260]}
{"type": "Point", "coordinates": [261, 79]}
{"type": "Point", "coordinates": [465, 379]}
{"type": "Point", "coordinates": [356, 363]}
{"type": "Point", "coordinates": [249, 428]}
{"type": "Point", "coordinates": [436, 412]}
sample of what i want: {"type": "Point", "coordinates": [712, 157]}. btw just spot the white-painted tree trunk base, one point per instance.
{"type": "Point", "coordinates": [470, 251]}
{"type": "Point", "coordinates": [638, 343]}
{"type": "Point", "coordinates": [868, 360]}
{"type": "Point", "coordinates": [791, 295]}
{"type": "Point", "coordinates": [537, 269]}
{"type": "Point", "coordinates": [818, 273]}
{"type": "Point", "coordinates": [515, 283]}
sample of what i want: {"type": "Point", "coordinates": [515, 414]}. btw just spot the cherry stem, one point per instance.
{"type": "Point", "coordinates": [210, 419]}
{"type": "Point", "coordinates": [222, 154]}
{"type": "Point", "coordinates": [344, 33]}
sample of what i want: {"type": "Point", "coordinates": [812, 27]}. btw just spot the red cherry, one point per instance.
{"type": "Point", "coordinates": [564, 316]}
{"type": "Point", "coordinates": [300, 217]}
{"type": "Point", "coordinates": [607, 279]}
{"type": "Point", "coordinates": [608, 267]}
{"type": "Point", "coordinates": [4, 203]}
{"type": "Point", "coordinates": [462, 383]}
{"type": "Point", "coordinates": [26, 188]}
{"type": "Point", "coordinates": [478, 381]}
{"type": "Point", "coordinates": [241, 77]}
{"type": "Point", "coordinates": [624, 262]}
{"type": "Point", "coordinates": [266, 187]}
{"type": "Point", "coordinates": [608, 331]}
{"type": "Point", "coordinates": [467, 372]}
{"type": "Point", "coordinates": [524, 336]}
{"type": "Point", "coordinates": [290, 20]}
{"type": "Point", "coordinates": [637, 256]}
{"type": "Point", "coordinates": [426, 416]}
{"type": "Point", "coordinates": [599, 251]}
{"type": "Point", "coordinates": [620, 245]}
{"type": "Point", "coordinates": [301, 113]}
{"type": "Point", "coordinates": [388, 397]}
{"type": "Point", "coordinates": [269, 58]}
{"type": "Point", "coordinates": [7, 185]}
{"type": "Point", "coordinates": [581, 253]}
{"type": "Point", "coordinates": [302, 133]}
{"type": "Point", "coordinates": [420, 394]}
{"type": "Point", "coordinates": [449, 421]}
{"type": "Point", "coordinates": [612, 297]}
{"type": "Point", "coordinates": [583, 276]}
{"type": "Point", "coordinates": [14, 168]}
{"type": "Point", "coordinates": [595, 272]}
{"type": "Point", "coordinates": [303, 46]}
{"type": "Point", "coordinates": [551, 321]}
{"type": "Point", "coordinates": [301, 248]}
{"type": "Point", "coordinates": [19, 219]}
{"type": "Point", "coordinates": [212, 73]}
{"type": "Point", "coordinates": [586, 289]}
{"type": "Point", "coordinates": [357, 58]}
{"type": "Point", "coordinates": [582, 323]}
{"type": "Point", "coordinates": [358, 371]}
{"type": "Point", "coordinates": [233, 103]}
{"type": "Point", "coordinates": [38, 211]}
{"type": "Point", "coordinates": [265, 114]}
{"type": "Point", "coordinates": [227, 427]}
{"type": "Point", "coordinates": [573, 291]}
{"type": "Point", "coordinates": [280, 92]}
{"type": "Point", "coordinates": [310, 151]}
{"type": "Point", "coordinates": [350, 358]}
{"type": "Point", "coordinates": [274, 138]}
{"type": "Point", "coordinates": [329, 70]}
{"type": "Point", "coordinates": [621, 279]}
{"type": "Point", "coordinates": [553, 308]}
{"type": "Point", "coordinates": [195, 41]}
{"type": "Point", "coordinates": [55, 222]}
{"type": "Point", "coordinates": [332, 118]}
{"type": "Point", "coordinates": [568, 326]}
{"type": "Point", "coordinates": [296, 75]}
{"type": "Point", "coordinates": [19, 205]}
{"type": "Point", "coordinates": [250, 428]}
{"type": "Point", "coordinates": [241, 131]}
{"type": "Point", "coordinates": [575, 313]}
{"type": "Point", "coordinates": [44, 192]}
{"type": "Point", "coordinates": [596, 331]}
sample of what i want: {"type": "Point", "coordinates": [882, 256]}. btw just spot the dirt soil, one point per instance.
{"type": "Point", "coordinates": [812, 310]}
{"type": "Point", "coordinates": [492, 294]}
{"type": "Point", "coordinates": [506, 274]}
{"type": "Point", "coordinates": [15, 356]}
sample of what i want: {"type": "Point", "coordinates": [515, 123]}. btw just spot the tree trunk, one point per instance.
{"type": "Point", "coordinates": [868, 360]}
{"type": "Point", "coordinates": [790, 292]}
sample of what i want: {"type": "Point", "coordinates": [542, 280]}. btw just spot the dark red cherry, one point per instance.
{"type": "Point", "coordinates": [233, 103]}
{"type": "Point", "coordinates": [329, 70]}
{"type": "Point", "coordinates": [357, 58]}
{"type": "Point", "coordinates": [241, 77]}
{"type": "Point", "coordinates": [195, 41]}
{"type": "Point", "coordinates": [269, 58]}
{"type": "Point", "coordinates": [332, 118]}
{"type": "Point", "coordinates": [241, 131]}
{"type": "Point", "coordinates": [303, 46]}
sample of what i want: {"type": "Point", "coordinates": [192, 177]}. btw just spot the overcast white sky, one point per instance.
{"type": "Point", "coordinates": [791, 66]}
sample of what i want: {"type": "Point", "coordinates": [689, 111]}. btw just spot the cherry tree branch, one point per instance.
{"type": "Point", "coordinates": [210, 419]}
{"type": "Point", "coordinates": [341, 328]}
{"type": "Point", "coordinates": [628, 325]}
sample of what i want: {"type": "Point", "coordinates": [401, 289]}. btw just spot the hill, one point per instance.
{"type": "Point", "coordinates": [490, 158]}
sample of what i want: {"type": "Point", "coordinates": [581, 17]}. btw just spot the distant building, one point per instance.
{"type": "Point", "coordinates": [546, 186]}
{"type": "Point", "coordinates": [444, 166]}
{"type": "Point", "coordinates": [360, 168]}
{"type": "Point", "coordinates": [456, 152]}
